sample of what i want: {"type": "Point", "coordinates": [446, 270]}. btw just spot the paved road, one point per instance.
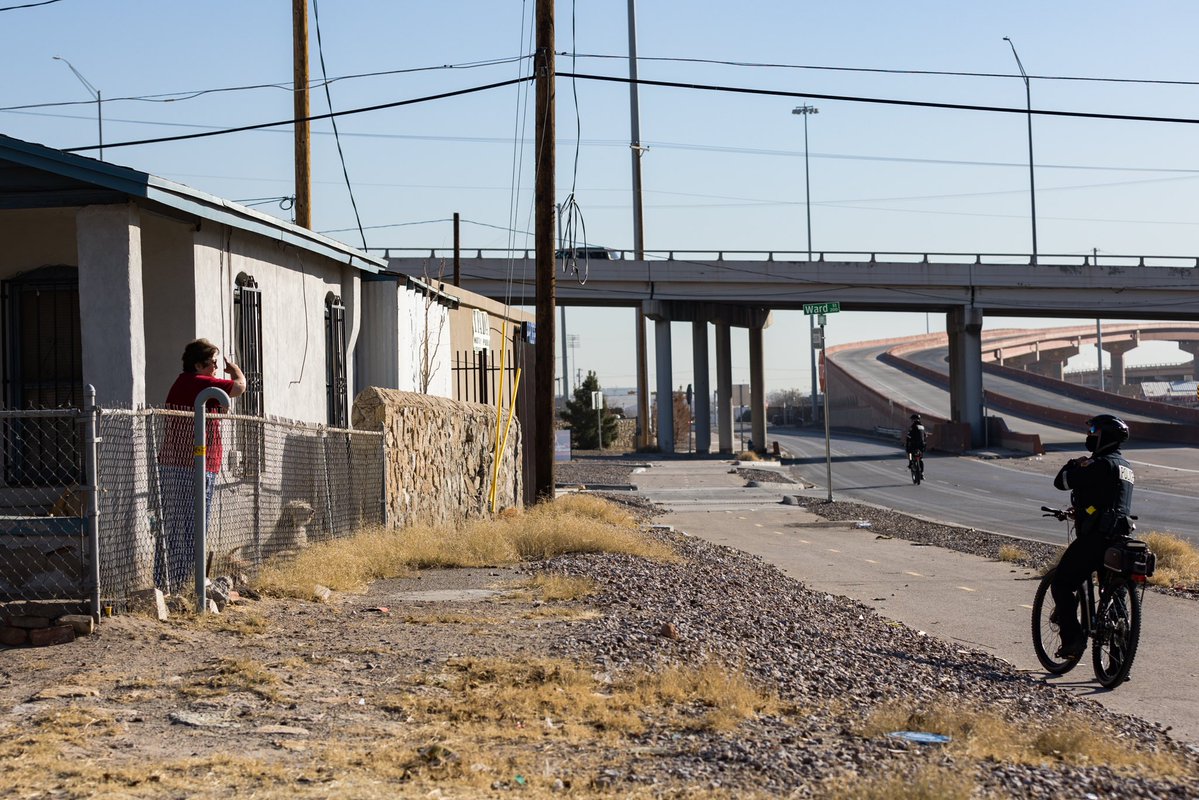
{"type": "Point", "coordinates": [983, 605]}
{"type": "Point", "coordinates": [998, 495]}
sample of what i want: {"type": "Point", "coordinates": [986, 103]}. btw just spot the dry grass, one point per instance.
{"type": "Point", "coordinates": [227, 675]}
{"type": "Point", "coordinates": [1177, 560]}
{"type": "Point", "coordinates": [233, 620]}
{"type": "Point", "coordinates": [748, 455]}
{"type": "Point", "coordinates": [571, 524]}
{"type": "Point", "coordinates": [1013, 554]}
{"type": "Point", "coordinates": [549, 698]}
{"type": "Point", "coordinates": [553, 587]}
{"type": "Point", "coordinates": [982, 734]}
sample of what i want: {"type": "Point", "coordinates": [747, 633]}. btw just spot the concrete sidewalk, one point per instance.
{"type": "Point", "coordinates": [979, 603]}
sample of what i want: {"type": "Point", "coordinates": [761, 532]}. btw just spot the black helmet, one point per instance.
{"type": "Point", "coordinates": [915, 418]}
{"type": "Point", "coordinates": [1106, 432]}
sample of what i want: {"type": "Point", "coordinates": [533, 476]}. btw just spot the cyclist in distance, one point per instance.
{"type": "Point", "coordinates": [1100, 487]}
{"type": "Point", "coordinates": [917, 438]}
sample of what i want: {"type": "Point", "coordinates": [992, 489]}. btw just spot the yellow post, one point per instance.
{"type": "Point", "coordinates": [499, 414]}
{"type": "Point", "coordinates": [507, 427]}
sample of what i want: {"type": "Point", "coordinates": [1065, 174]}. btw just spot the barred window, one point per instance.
{"type": "Point", "coordinates": [247, 328]}
{"type": "Point", "coordinates": [337, 402]}
{"type": "Point", "coordinates": [43, 368]}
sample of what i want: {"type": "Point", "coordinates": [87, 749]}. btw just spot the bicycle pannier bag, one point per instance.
{"type": "Point", "coordinates": [1132, 557]}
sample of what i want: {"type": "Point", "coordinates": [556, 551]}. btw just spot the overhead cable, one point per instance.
{"type": "Point", "coordinates": [310, 118]}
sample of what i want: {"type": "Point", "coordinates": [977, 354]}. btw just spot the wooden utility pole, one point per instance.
{"type": "Point", "coordinates": [543, 238]}
{"type": "Point", "coordinates": [457, 253]}
{"type": "Point", "coordinates": [299, 33]}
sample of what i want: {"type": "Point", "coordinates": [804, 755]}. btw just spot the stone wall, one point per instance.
{"type": "Point", "coordinates": [439, 456]}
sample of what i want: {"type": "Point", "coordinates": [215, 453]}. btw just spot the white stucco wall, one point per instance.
{"type": "Point", "coordinates": [424, 325]}
{"type": "Point", "coordinates": [294, 286]}
{"type": "Point", "coordinates": [395, 320]}
{"type": "Point", "coordinates": [111, 303]}
{"type": "Point", "coordinates": [169, 289]}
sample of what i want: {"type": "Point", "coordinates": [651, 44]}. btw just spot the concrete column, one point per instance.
{"type": "Point", "coordinates": [1193, 349]}
{"type": "Point", "coordinates": [965, 369]}
{"type": "Point", "coordinates": [1117, 350]}
{"type": "Point", "coordinates": [724, 387]}
{"type": "Point", "coordinates": [757, 389]}
{"type": "Point", "coordinates": [662, 370]}
{"type": "Point", "coordinates": [111, 319]}
{"type": "Point", "coordinates": [702, 394]}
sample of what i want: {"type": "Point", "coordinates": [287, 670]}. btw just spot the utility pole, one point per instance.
{"type": "Point", "coordinates": [457, 253]}
{"type": "Point", "coordinates": [636, 150]}
{"type": "Point", "coordinates": [543, 237]}
{"type": "Point", "coordinates": [299, 34]}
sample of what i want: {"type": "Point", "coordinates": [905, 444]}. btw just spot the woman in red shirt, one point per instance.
{"type": "Point", "coordinates": [174, 558]}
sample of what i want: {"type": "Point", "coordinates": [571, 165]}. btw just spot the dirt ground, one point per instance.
{"type": "Point", "coordinates": [273, 697]}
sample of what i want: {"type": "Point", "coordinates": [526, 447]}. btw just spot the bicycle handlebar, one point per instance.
{"type": "Point", "coordinates": [1055, 512]}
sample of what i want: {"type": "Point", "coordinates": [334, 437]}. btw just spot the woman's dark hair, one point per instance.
{"type": "Point", "coordinates": [198, 352]}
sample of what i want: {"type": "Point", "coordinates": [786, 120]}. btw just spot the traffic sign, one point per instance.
{"type": "Point", "coordinates": [821, 308]}
{"type": "Point", "coordinates": [818, 339]}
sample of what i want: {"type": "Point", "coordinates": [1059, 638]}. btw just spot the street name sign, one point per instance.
{"type": "Point", "coordinates": [821, 308]}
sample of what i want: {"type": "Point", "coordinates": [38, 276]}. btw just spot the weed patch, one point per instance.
{"type": "Point", "coordinates": [1177, 560]}
{"type": "Point", "coordinates": [1013, 554]}
{"type": "Point", "coordinates": [982, 734]}
{"type": "Point", "coordinates": [572, 524]}
{"type": "Point", "coordinates": [228, 675]}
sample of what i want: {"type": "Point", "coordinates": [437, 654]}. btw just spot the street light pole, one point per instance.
{"type": "Point", "coordinates": [99, 101]}
{"type": "Point", "coordinates": [805, 110]}
{"type": "Point", "coordinates": [1032, 185]}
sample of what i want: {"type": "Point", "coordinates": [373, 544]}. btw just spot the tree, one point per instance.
{"type": "Point", "coordinates": [582, 417]}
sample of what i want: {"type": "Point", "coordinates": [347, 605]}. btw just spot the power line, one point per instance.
{"type": "Point", "coordinates": [320, 51]}
{"type": "Point", "coordinates": [883, 71]}
{"type": "Point", "coordinates": [174, 97]}
{"type": "Point", "coordinates": [30, 5]}
{"type": "Point", "coordinates": [311, 118]}
{"type": "Point", "coordinates": [878, 100]}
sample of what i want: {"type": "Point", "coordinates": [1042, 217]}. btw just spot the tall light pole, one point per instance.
{"type": "Point", "coordinates": [96, 94]}
{"type": "Point", "coordinates": [804, 111]}
{"type": "Point", "coordinates": [1032, 184]}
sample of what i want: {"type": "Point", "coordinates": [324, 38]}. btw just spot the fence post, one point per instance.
{"type": "Point", "coordinates": [200, 451]}
{"type": "Point", "coordinates": [383, 476]}
{"type": "Point", "coordinates": [90, 440]}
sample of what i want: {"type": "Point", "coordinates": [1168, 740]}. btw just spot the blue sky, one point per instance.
{"type": "Point", "coordinates": [722, 171]}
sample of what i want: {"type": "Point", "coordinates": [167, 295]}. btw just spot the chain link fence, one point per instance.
{"type": "Point", "coordinates": [44, 552]}
{"type": "Point", "coordinates": [273, 487]}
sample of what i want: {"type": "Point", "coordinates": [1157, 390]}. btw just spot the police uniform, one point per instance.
{"type": "Point", "coordinates": [1101, 493]}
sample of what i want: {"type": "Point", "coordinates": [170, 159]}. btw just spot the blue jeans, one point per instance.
{"type": "Point", "coordinates": [175, 548]}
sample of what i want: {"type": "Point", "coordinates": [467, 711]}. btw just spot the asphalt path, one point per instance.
{"type": "Point", "coordinates": [991, 494]}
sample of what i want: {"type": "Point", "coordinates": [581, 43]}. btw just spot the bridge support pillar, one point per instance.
{"type": "Point", "coordinates": [724, 388]}
{"type": "Point", "coordinates": [757, 389]}
{"type": "Point", "coordinates": [1119, 369]}
{"type": "Point", "coordinates": [1191, 347]}
{"type": "Point", "coordinates": [965, 369]}
{"type": "Point", "coordinates": [663, 376]}
{"type": "Point", "coordinates": [702, 395]}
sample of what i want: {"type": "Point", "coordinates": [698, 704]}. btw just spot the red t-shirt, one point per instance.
{"type": "Point", "coordinates": [176, 450]}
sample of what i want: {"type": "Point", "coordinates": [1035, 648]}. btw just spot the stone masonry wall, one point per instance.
{"type": "Point", "coordinates": [439, 456]}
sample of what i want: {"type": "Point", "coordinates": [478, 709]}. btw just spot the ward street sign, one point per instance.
{"type": "Point", "coordinates": [821, 308]}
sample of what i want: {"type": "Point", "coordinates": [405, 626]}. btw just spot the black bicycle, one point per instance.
{"type": "Point", "coordinates": [1110, 602]}
{"type": "Point", "coordinates": [916, 465]}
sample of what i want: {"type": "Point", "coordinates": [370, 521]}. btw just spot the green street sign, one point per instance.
{"type": "Point", "coordinates": [821, 308]}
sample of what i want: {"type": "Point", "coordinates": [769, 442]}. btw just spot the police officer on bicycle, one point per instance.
{"type": "Point", "coordinates": [917, 438]}
{"type": "Point", "coordinates": [1100, 487]}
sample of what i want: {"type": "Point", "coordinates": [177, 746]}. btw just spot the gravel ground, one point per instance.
{"type": "Point", "coordinates": [833, 657]}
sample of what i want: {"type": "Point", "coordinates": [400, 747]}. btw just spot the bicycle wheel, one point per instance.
{"type": "Point", "coordinates": [1046, 637]}
{"type": "Point", "coordinates": [1117, 633]}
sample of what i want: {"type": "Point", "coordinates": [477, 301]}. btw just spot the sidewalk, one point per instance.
{"type": "Point", "coordinates": [983, 604]}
